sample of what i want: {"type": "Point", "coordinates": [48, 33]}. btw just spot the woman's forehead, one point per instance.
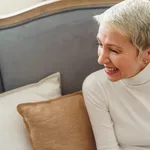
{"type": "Point", "coordinates": [111, 35]}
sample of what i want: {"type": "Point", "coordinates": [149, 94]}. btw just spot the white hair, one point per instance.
{"type": "Point", "coordinates": [131, 17]}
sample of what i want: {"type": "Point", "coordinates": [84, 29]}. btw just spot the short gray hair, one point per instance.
{"type": "Point", "coordinates": [132, 17]}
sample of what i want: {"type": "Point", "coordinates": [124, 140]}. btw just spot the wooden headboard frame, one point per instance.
{"type": "Point", "coordinates": [51, 8]}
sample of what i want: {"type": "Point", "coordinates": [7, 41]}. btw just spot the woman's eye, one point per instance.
{"type": "Point", "coordinates": [114, 51]}
{"type": "Point", "coordinates": [99, 44]}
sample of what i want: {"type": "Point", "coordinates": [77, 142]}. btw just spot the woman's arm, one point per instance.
{"type": "Point", "coordinates": [98, 110]}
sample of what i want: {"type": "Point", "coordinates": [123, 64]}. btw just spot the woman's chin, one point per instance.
{"type": "Point", "coordinates": [113, 79]}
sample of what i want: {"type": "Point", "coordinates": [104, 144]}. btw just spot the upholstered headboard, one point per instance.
{"type": "Point", "coordinates": [58, 37]}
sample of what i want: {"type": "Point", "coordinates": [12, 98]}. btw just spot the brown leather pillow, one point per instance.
{"type": "Point", "coordinates": [58, 124]}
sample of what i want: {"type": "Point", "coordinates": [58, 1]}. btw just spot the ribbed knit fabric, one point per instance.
{"type": "Point", "coordinates": [119, 111]}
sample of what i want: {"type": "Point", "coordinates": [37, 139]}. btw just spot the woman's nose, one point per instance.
{"type": "Point", "coordinates": [103, 56]}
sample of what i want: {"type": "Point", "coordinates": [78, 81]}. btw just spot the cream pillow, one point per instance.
{"type": "Point", "coordinates": [58, 124]}
{"type": "Point", "coordinates": [12, 130]}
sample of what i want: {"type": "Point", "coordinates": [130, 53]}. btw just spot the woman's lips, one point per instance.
{"type": "Point", "coordinates": [111, 71]}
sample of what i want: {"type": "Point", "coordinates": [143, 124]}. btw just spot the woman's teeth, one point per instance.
{"type": "Point", "coordinates": [111, 69]}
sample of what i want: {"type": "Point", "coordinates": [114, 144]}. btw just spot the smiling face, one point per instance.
{"type": "Point", "coordinates": [118, 55]}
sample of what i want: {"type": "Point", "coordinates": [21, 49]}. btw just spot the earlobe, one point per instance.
{"type": "Point", "coordinates": [148, 55]}
{"type": "Point", "coordinates": [145, 62]}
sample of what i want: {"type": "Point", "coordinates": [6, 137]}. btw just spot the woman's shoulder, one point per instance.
{"type": "Point", "coordinates": [96, 77]}
{"type": "Point", "coordinates": [94, 88]}
{"type": "Point", "coordinates": [96, 80]}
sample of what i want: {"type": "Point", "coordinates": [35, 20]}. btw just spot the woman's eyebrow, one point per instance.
{"type": "Point", "coordinates": [114, 45]}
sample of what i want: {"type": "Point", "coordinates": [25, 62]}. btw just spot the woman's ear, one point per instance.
{"type": "Point", "coordinates": [147, 55]}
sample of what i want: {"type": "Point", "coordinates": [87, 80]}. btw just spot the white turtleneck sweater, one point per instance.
{"type": "Point", "coordinates": [119, 111]}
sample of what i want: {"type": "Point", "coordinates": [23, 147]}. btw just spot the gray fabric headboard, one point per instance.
{"type": "Point", "coordinates": [64, 42]}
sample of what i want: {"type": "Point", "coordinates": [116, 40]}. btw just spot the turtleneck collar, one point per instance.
{"type": "Point", "coordinates": [141, 78]}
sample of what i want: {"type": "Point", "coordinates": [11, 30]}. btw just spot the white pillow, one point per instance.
{"type": "Point", "coordinates": [12, 130]}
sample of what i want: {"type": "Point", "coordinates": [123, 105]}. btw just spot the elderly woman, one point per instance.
{"type": "Point", "coordinates": [118, 97]}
